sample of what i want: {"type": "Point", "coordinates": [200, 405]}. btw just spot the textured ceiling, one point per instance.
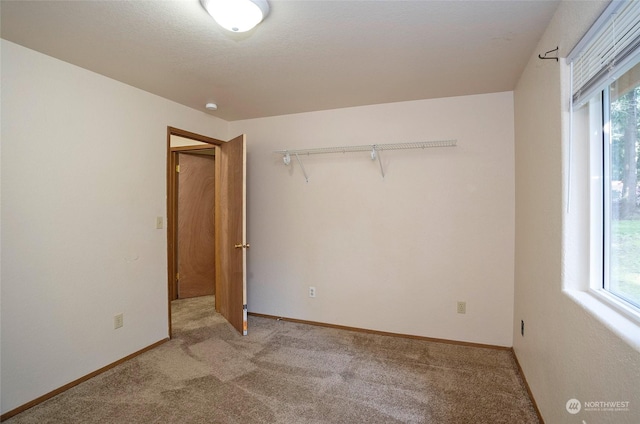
{"type": "Point", "coordinates": [305, 56]}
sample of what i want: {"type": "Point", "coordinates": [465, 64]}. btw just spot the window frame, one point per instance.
{"type": "Point", "coordinates": [606, 218]}
{"type": "Point", "coordinates": [600, 206]}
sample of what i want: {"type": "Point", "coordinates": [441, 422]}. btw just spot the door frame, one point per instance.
{"type": "Point", "coordinates": [172, 205]}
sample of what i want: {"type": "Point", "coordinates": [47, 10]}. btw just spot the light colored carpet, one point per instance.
{"type": "Point", "coordinates": [288, 373]}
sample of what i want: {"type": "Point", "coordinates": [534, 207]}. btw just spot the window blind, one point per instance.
{"type": "Point", "coordinates": [607, 50]}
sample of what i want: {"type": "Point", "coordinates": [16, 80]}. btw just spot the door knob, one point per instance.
{"type": "Point", "coordinates": [240, 246]}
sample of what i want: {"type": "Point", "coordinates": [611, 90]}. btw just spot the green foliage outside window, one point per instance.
{"type": "Point", "coordinates": [624, 219]}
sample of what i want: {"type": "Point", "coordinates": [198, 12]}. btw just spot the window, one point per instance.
{"type": "Point", "coordinates": [620, 188]}
{"type": "Point", "coordinates": [606, 112]}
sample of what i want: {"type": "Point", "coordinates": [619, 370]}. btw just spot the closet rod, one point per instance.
{"type": "Point", "coordinates": [374, 150]}
{"type": "Point", "coordinates": [370, 147]}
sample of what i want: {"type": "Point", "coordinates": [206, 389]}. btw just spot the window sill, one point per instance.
{"type": "Point", "coordinates": [621, 320]}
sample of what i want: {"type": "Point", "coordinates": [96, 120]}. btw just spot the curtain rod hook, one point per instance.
{"type": "Point", "coordinates": [550, 51]}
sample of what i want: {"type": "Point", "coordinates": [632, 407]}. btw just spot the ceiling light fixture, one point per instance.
{"type": "Point", "coordinates": [211, 106]}
{"type": "Point", "coordinates": [237, 15]}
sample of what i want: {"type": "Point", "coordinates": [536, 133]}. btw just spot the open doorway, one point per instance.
{"type": "Point", "coordinates": [214, 228]}
{"type": "Point", "coordinates": [195, 237]}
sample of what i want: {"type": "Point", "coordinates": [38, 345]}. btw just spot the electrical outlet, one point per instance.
{"type": "Point", "coordinates": [312, 291]}
{"type": "Point", "coordinates": [118, 321]}
{"type": "Point", "coordinates": [522, 327]}
{"type": "Point", "coordinates": [462, 307]}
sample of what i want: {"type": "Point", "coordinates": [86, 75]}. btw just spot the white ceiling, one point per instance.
{"type": "Point", "coordinates": [305, 56]}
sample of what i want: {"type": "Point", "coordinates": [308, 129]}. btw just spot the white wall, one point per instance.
{"type": "Point", "coordinates": [83, 179]}
{"type": "Point", "coordinates": [395, 254]}
{"type": "Point", "coordinates": [566, 352]}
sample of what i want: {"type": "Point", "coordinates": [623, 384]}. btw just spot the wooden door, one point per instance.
{"type": "Point", "coordinates": [196, 226]}
{"type": "Point", "coordinates": [231, 246]}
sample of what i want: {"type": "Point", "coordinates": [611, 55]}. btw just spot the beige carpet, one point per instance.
{"type": "Point", "coordinates": [290, 373]}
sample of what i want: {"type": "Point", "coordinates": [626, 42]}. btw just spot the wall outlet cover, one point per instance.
{"type": "Point", "coordinates": [118, 321]}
